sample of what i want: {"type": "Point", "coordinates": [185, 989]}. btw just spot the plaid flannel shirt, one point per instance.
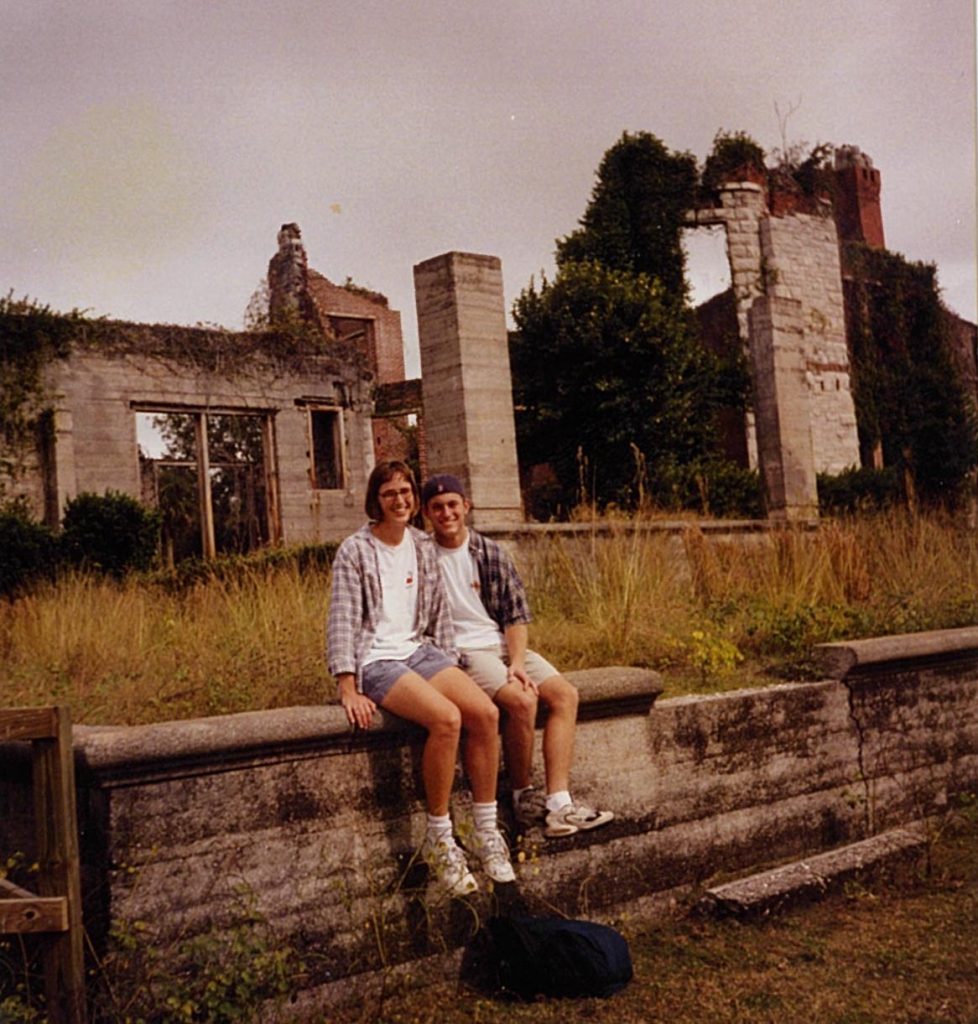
{"type": "Point", "coordinates": [355, 601]}
{"type": "Point", "coordinates": [500, 585]}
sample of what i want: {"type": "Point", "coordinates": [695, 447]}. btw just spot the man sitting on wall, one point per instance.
{"type": "Point", "coordinates": [490, 612]}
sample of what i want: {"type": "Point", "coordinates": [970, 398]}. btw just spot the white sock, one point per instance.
{"type": "Point", "coordinates": [484, 817]}
{"type": "Point", "coordinates": [439, 827]}
{"type": "Point", "coordinates": [555, 801]}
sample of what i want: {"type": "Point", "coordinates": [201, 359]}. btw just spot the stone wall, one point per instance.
{"type": "Point", "coordinates": [793, 257]}
{"type": "Point", "coordinates": [320, 825]}
{"type": "Point", "coordinates": [801, 255]}
{"type": "Point", "coordinates": [468, 393]}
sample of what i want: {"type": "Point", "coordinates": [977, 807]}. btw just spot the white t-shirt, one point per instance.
{"type": "Point", "coordinates": [394, 639]}
{"type": "Point", "coordinates": [474, 629]}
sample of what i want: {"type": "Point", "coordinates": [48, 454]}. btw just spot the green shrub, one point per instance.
{"type": "Point", "coordinates": [28, 550]}
{"type": "Point", "coordinates": [733, 153]}
{"type": "Point", "coordinates": [711, 487]}
{"type": "Point", "coordinates": [859, 490]}
{"type": "Point", "coordinates": [111, 533]}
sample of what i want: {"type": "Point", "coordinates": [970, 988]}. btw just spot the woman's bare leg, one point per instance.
{"type": "Point", "coordinates": [420, 702]}
{"type": "Point", "coordinates": [480, 723]}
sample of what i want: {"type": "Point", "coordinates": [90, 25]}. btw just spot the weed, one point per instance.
{"type": "Point", "coordinates": [227, 974]}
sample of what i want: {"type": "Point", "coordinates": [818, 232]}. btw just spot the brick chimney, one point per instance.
{"type": "Point", "coordinates": [858, 215]}
{"type": "Point", "coordinates": [288, 277]}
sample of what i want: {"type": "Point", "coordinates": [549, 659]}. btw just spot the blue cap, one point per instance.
{"type": "Point", "coordinates": [441, 483]}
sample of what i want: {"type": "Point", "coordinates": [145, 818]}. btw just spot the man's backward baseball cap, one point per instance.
{"type": "Point", "coordinates": [441, 483]}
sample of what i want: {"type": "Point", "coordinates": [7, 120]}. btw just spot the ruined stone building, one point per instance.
{"type": "Point", "coordinates": [240, 439]}
{"type": "Point", "coordinates": [245, 439]}
{"type": "Point", "coordinates": [264, 437]}
{"type": "Point", "coordinates": [790, 309]}
{"type": "Point", "coordinates": [353, 317]}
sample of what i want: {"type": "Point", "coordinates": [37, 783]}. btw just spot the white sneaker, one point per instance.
{"type": "Point", "coordinates": [575, 818]}
{"type": "Point", "coordinates": [493, 854]}
{"type": "Point", "coordinates": [447, 868]}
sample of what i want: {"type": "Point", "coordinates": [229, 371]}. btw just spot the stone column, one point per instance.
{"type": "Point", "coordinates": [744, 206]}
{"type": "Point", "coordinates": [62, 483]}
{"type": "Point", "coordinates": [782, 408]}
{"type": "Point", "coordinates": [466, 384]}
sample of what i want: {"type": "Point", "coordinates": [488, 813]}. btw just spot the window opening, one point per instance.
{"type": "Point", "coordinates": [207, 473]}
{"type": "Point", "coordinates": [707, 265]}
{"type": "Point", "coordinates": [327, 449]}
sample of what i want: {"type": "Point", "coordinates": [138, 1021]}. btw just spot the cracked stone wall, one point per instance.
{"type": "Point", "coordinates": [321, 825]}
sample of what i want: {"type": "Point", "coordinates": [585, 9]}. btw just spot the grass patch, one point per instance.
{"type": "Point", "coordinates": [710, 614]}
{"type": "Point", "coordinates": [895, 952]}
{"type": "Point", "coordinates": [130, 652]}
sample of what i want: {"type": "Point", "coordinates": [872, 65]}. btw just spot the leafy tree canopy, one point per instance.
{"type": "Point", "coordinates": [637, 212]}
{"type": "Point", "coordinates": [606, 370]}
{"type": "Point", "coordinates": [909, 395]}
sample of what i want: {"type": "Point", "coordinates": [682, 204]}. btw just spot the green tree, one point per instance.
{"type": "Point", "coordinates": [909, 395]}
{"type": "Point", "coordinates": [635, 219]}
{"type": "Point", "coordinates": [606, 369]}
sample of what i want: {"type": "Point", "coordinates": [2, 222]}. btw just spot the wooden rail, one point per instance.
{"type": "Point", "coordinates": [55, 910]}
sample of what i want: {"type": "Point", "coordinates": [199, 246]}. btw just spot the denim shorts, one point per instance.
{"type": "Point", "coordinates": [378, 677]}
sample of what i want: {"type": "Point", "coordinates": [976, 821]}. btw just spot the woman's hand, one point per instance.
{"type": "Point", "coordinates": [359, 708]}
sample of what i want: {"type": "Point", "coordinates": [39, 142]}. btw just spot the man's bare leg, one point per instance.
{"type": "Point", "coordinates": [519, 707]}
{"type": "Point", "coordinates": [558, 733]}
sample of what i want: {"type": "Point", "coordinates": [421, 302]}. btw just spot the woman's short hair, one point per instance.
{"type": "Point", "coordinates": [382, 473]}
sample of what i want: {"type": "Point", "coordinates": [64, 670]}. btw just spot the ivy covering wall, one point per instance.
{"type": "Point", "coordinates": [911, 401]}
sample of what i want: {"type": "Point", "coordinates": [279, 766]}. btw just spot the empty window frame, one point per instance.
{"type": "Point", "coordinates": [326, 430]}
{"type": "Point", "coordinates": [211, 475]}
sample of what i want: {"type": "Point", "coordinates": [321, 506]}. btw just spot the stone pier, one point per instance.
{"type": "Point", "coordinates": [468, 399]}
{"type": "Point", "coordinates": [782, 407]}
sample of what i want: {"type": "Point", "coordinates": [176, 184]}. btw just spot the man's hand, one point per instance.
{"type": "Point", "coordinates": [517, 674]}
{"type": "Point", "coordinates": [359, 708]}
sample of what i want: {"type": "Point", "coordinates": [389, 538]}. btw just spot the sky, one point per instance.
{"type": "Point", "coordinates": [151, 150]}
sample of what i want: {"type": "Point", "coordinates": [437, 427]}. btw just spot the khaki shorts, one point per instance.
{"type": "Point", "coordinates": [488, 667]}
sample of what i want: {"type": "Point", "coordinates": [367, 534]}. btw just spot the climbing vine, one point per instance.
{"type": "Point", "coordinates": [908, 393]}
{"type": "Point", "coordinates": [31, 336]}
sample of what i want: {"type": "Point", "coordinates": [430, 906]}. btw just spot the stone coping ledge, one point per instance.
{"type": "Point", "coordinates": [221, 741]}
{"type": "Point", "coordinates": [850, 657]}
{"type": "Point", "coordinates": [769, 891]}
{"type": "Point", "coordinates": [719, 527]}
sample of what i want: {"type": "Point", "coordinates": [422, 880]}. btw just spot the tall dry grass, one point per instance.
{"type": "Point", "coordinates": [130, 652]}
{"type": "Point", "coordinates": [702, 606]}
{"type": "Point", "coordinates": [709, 613]}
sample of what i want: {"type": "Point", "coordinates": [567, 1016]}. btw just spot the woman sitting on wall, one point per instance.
{"type": "Point", "coordinates": [390, 644]}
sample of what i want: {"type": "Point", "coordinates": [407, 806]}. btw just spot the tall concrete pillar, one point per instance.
{"type": "Point", "coordinates": [466, 384]}
{"type": "Point", "coordinates": [782, 408]}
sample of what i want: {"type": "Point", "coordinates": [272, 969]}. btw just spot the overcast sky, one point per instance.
{"type": "Point", "coordinates": [151, 149]}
